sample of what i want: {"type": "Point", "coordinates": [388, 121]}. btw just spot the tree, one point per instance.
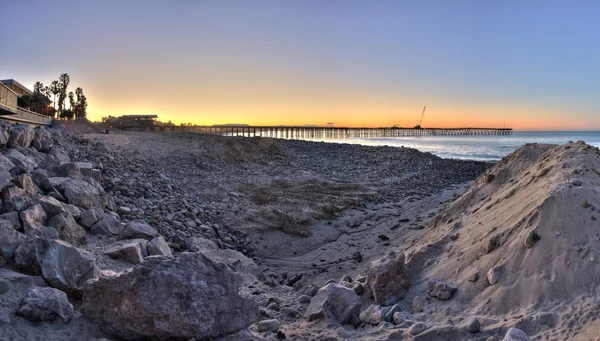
{"type": "Point", "coordinates": [71, 100]}
{"type": "Point", "coordinates": [63, 84]}
{"type": "Point", "coordinates": [55, 90]}
{"type": "Point", "coordinates": [66, 114]}
{"type": "Point", "coordinates": [38, 87]}
{"type": "Point", "coordinates": [80, 109]}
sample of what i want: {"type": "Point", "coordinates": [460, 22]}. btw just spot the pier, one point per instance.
{"type": "Point", "coordinates": [309, 133]}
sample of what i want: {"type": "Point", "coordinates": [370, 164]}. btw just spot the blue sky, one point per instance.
{"type": "Point", "coordinates": [532, 64]}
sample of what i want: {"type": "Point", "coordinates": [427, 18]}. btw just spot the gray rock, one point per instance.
{"type": "Point", "coordinates": [64, 266]}
{"type": "Point", "coordinates": [33, 218]}
{"type": "Point", "coordinates": [42, 139]}
{"type": "Point", "coordinates": [334, 303]}
{"type": "Point", "coordinates": [4, 178]}
{"type": "Point", "coordinates": [474, 277]}
{"type": "Point", "coordinates": [10, 239]}
{"type": "Point", "coordinates": [19, 159]}
{"type": "Point", "coordinates": [417, 328]}
{"type": "Point", "coordinates": [5, 128]}
{"type": "Point", "coordinates": [44, 232]}
{"type": "Point", "coordinates": [45, 305]}
{"type": "Point", "coordinates": [90, 217]}
{"type": "Point", "coordinates": [129, 251]}
{"type": "Point", "coordinates": [387, 281]}
{"type": "Point", "coordinates": [515, 334]}
{"type": "Point", "coordinates": [170, 298]}
{"type": "Point", "coordinates": [304, 299]}
{"type": "Point", "coordinates": [138, 229]}
{"type": "Point", "coordinates": [5, 164]}
{"type": "Point", "coordinates": [21, 135]}
{"type": "Point", "coordinates": [268, 325]}
{"type": "Point", "coordinates": [51, 206]}
{"type": "Point", "coordinates": [355, 321]}
{"type": "Point", "coordinates": [108, 225]}
{"type": "Point", "coordinates": [389, 315]}
{"type": "Point", "coordinates": [81, 194]}
{"type": "Point", "coordinates": [371, 315]}
{"type": "Point", "coordinates": [495, 274]}
{"type": "Point", "coordinates": [158, 246]}
{"type": "Point", "coordinates": [531, 238]}
{"type": "Point", "coordinates": [68, 170]}
{"type": "Point", "coordinates": [473, 326]}
{"type": "Point", "coordinates": [418, 304]}
{"type": "Point", "coordinates": [11, 220]}
{"type": "Point", "coordinates": [54, 182]}
{"type": "Point", "coordinates": [289, 312]}
{"type": "Point", "coordinates": [442, 290]}
{"type": "Point", "coordinates": [67, 228]}
{"type": "Point", "coordinates": [16, 199]}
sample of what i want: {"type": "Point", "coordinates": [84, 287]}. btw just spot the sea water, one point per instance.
{"type": "Point", "coordinates": [478, 147]}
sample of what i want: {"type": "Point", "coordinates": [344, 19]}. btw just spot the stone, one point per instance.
{"type": "Point", "coordinates": [158, 246]}
{"type": "Point", "coordinates": [26, 258]}
{"type": "Point", "coordinates": [4, 178]}
{"type": "Point", "coordinates": [21, 135]}
{"type": "Point", "coordinates": [10, 239]}
{"type": "Point", "coordinates": [53, 182]}
{"type": "Point", "coordinates": [108, 225]}
{"type": "Point", "coordinates": [473, 326]}
{"type": "Point", "coordinates": [67, 228]}
{"type": "Point", "coordinates": [5, 128]}
{"type": "Point", "coordinates": [304, 299]}
{"type": "Point", "coordinates": [289, 312]}
{"type": "Point", "coordinates": [42, 139]}
{"type": "Point", "coordinates": [20, 160]}
{"type": "Point", "coordinates": [273, 306]}
{"type": "Point", "coordinates": [515, 334]}
{"type": "Point", "coordinates": [45, 305]}
{"type": "Point", "coordinates": [33, 218]}
{"type": "Point", "coordinates": [371, 315]}
{"type": "Point", "coordinates": [129, 251]}
{"type": "Point", "coordinates": [68, 170]}
{"type": "Point", "coordinates": [16, 199]}
{"type": "Point", "coordinates": [442, 290]}
{"type": "Point", "coordinates": [44, 232]}
{"type": "Point", "coordinates": [355, 321]}
{"type": "Point", "coordinates": [182, 297]}
{"type": "Point", "coordinates": [11, 220]}
{"type": "Point", "coordinates": [268, 325]}
{"type": "Point", "coordinates": [417, 328]}
{"type": "Point", "coordinates": [64, 266]}
{"type": "Point", "coordinates": [5, 164]}
{"type": "Point", "coordinates": [90, 217]}
{"type": "Point", "coordinates": [495, 274]}
{"type": "Point", "coordinates": [137, 229]}
{"type": "Point", "coordinates": [25, 182]}
{"type": "Point", "coordinates": [81, 194]}
{"type": "Point", "coordinates": [389, 316]}
{"type": "Point", "coordinates": [531, 238]}
{"type": "Point", "coordinates": [334, 303]}
{"type": "Point", "coordinates": [387, 281]}
{"type": "Point", "coordinates": [473, 277]}
{"type": "Point", "coordinates": [51, 206]}
{"type": "Point", "coordinates": [124, 209]}
{"type": "Point", "coordinates": [418, 304]}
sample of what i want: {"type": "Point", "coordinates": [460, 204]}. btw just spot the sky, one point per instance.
{"type": "Point", "coordinates": [520, 64]}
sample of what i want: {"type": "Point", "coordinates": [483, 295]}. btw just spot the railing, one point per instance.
{"type": "Point", "coordinates": [27, 116]}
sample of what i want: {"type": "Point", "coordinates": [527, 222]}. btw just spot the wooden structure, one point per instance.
{"type": "Point", "coordinates": [308, 133]}
{"type": "Point", "coordinates": [11, 112]}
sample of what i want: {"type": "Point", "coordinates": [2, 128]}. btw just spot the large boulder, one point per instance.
{"type": "Point", "coordinates": [42, 139]}
{"type": "Point", "coordinates": [515, 334]}
{"type": "Point", "coordinates": [20, 136]}
{"type": "Point", "coordinates": [67, 228]}
{"type": "Point", "coordinates": [20, 159]}
{"type": "Point", "coordinates": [138, 229]}
{"type": "Point", "coordinates": [10, 239]}
{"type": "Point", "coordinates": [64, 266]}
{"type": "Point", "coordinates": [16, 199]}
{"type": "Point", "coordinates": [11, 220]}
{"type": "Point", "coordinates": [5, 128]}
{"type": "Point", "coordinates": [81, 194]}
{"type": "Point", "coordinates": [33, 218]}
{"type": "Point", "coordinates": [108, 225]}
{"type": "Point", "coordinates": [51, 206]}
{"type": "Point", "coordinates": [158, 246]}
{"type": "Point", "coordinates": [132, 251]}
{"type": "Point", "coordinates": [45, 304]}
{"type": "Point", "coordinates": [188, 296]}
{"type": "Point", "coordinates": [387, 281]}
{"type": "Point", "coordinates": [90, 217]}
{"type": "Point", "coordinates": [334, 303]}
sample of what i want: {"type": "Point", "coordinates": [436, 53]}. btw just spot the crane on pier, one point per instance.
{"type": "Point", "coordinates": [418, 126]}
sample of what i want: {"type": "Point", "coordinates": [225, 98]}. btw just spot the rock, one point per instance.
{"type": "Point", "coordinates": [10, 239]}
{"type": "Point", "coordinates": [304, 299]}
{"type": "Point", "coordinates": [90, 217]}
{"type": "Point", "coordinates": [25, 182]}
{"type": "Point", "coordinates": [371, 315]}
{"type": "Point", "coordinates": [64, 266]}
{"type": "Point", "coordinates": [417, 328]}
{"type": "Point", "coordinates": [129, 251]}
{"type": "Point", "coordinates": [45, 305]}
{"type": "Point", "coordinates": [473, 326]}
{"type": "Point", "coordinates": [289, 312]}
{"type": "Point", "coordinates": [387, 281]}
{"type": "Point", "coordinates": [42, 139]}
{"type": "Point", "coordinates": [438, 288]}
{"type": "Point", "coordinates": [5, 128]}
{"type": "Point", "coordinates": [402, 318]}
{"type": "Point", "coordinates": [359, 288]}
{"type": "Point", "coordinates": [494, 275]}
{"type": "Point", "coordinates": [16, 199]}
{"type": "Point", "coordinates": [170, 298]}
{"type": "Point", "coordinates": [33, 218]}
{"type": "Point", "coordinates": [11, 220]}
{"type": "Point", "coordinates": [26, 164]}
{"type": "Point", "coordinates": [68, 170]}
{"type": "Point", "coordinates": [268, 325]}
{"type": "Point", "coordinates": [334, 303]}
{"type": "Point", "coordinates": [273, 306]}
{"type": "Point", "coordinates": [81, 194]}
{"type": "Point", "coordinates": [51, 206]}
{"type": "Point", "coordinates": [67, 228]}
{"type": "Point", "coordinates": [26, 259]}
{"type": "Point", "coordinates": [531, 238]}
{"type": "Point", "coordinates": [124, 210]}
{"type": "Point", "coordinates": [4, 178]}
{"type": "Point", "coordinates": [44, 232]}
{"type": "Point", "coordinates": [159, 247]}
{"type": "Point", "coordinates": [108, 225]}
{"type": "Point", "coordinates": [418, 304]}
{"type": "Point", "coordinates": [515, 334]}
{"type": "Point", "coordinates": [474, 277]}
{"type": "Point", "coordinates": [21, 135]}
{"type": "Point", "coordinates": [389, 316]}
{"type": "Point", "coordinates": [53, 182]}
{"type": "Point", "coordinates": [137, 229]}
{"type": "Point", "coordinates": [355, 321]}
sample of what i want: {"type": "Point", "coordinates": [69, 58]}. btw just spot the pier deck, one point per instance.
{"type": "Point", "coordinates": [301, 132]}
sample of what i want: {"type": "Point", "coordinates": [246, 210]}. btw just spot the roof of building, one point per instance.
{"type": "Point", "coordinates": [138, 116]}
{"type": "Point", "coordinates": [12, 81]}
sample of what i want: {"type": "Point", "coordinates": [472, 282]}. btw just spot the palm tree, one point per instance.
{"type": "Point", "coordinates": [71, 100]}
{"type": "Point", "coordinates": [62, 87]}
{"type": "Point", "coordinates": [38, 87]}
{"type": "Point", "coordinates": [55, 90]}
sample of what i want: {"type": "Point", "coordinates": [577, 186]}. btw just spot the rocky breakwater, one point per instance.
{"type": "Point", "coordinates": [57, 222]}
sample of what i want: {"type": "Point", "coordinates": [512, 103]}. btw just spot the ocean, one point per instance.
{"type": "Point", "coordinates": [483, 148]}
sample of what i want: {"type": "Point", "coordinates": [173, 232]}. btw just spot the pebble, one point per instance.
{"type": "Point", "coordinates": [268, 325]}
{"type": "Point", "coordinates": [494, 275]}
{"type": "Point", "coordinates": [304, 299]}
{"type": "Point", "coordinates": [473, 326]}
{"type": "Point", "coordinates": [417, 328]}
